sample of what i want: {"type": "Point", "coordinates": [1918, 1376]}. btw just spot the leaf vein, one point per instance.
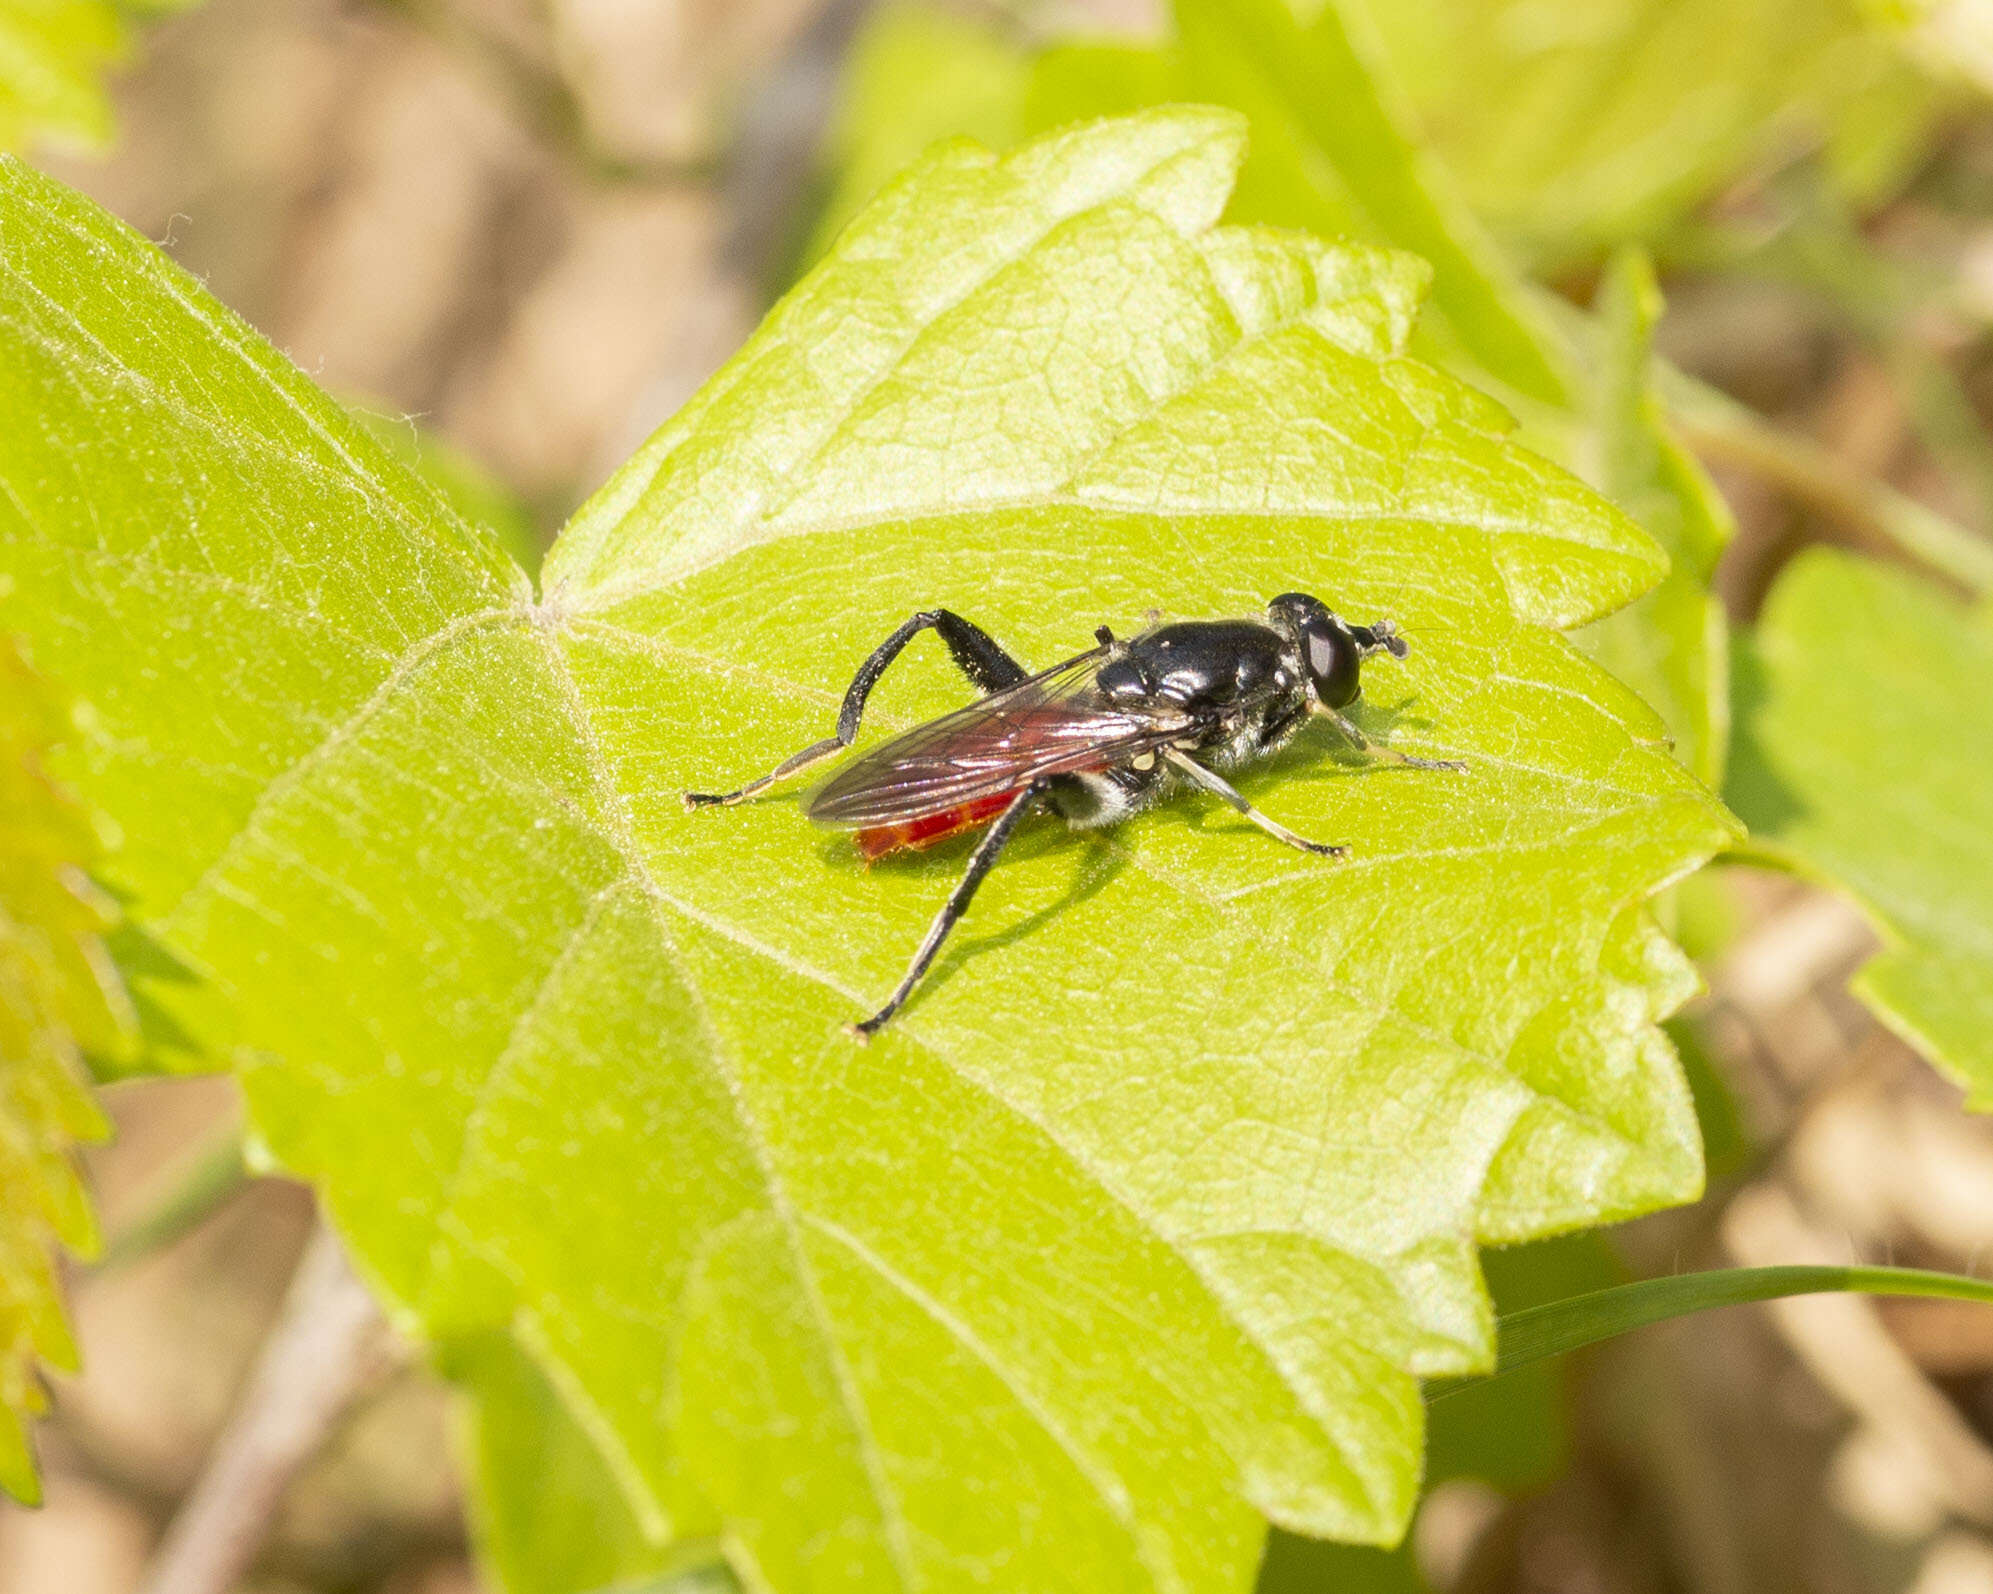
{"type": "Point", "coordinates": [898, 1548]}
{"type": "Point", "coordinates": [300, 770]}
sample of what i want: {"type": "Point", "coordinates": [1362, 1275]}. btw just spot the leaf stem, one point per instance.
{"type": "Point", "coordinates": [193, 1195]}
{"type": "Point", "coordinates": [544, 102]}
{"type": "Point", "coordinates": [1721, 429]}
{"type": "Point", "coordinates": [1538, 1332]}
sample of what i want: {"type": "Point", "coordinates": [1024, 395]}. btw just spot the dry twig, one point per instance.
{"type": "Point", "coordinates": [328, 1346]}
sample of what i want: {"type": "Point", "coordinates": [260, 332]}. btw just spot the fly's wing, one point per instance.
{"type": "Point", "coordinates": [1051, 724]}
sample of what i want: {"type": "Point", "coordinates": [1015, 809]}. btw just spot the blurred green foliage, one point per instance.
{"type": "Point", "coordinates": [54, 58]}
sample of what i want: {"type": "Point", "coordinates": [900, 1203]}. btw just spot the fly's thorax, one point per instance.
{"type": "Point", "coordinates": [1200, 667]}
{"type": "Point", "coordinates": [1255, 731]}
{"type": "Point", "coordinates": [1237, 687]}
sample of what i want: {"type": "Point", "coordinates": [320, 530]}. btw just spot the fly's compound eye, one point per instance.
{"type": "Point", "coordinates": [1334, 661]}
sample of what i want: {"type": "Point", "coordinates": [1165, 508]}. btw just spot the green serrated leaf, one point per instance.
{"type": "Point", "coordinates": [1862, 748]}
{"type": "Point", "coordinates": [1141, 1225]}
{"type": "Point", "coordinates": [1509, 1432]}
{"type": "Point", "coordinates": [1328, 151]}
{"type": "Point", "coordinates": [1573, 125]}
{"type": "Point", "coordinates": [1672, 645]}
{"type": "Point", "coordinates": [59, 996]}
{"type": "Point", "coordinates": [1512, 1432]}
{"type": "Point", "coordinates": [1531, 1336]}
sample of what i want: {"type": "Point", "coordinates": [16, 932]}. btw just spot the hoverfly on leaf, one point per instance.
{"type": "Point", "coordinates": [1104, 735]}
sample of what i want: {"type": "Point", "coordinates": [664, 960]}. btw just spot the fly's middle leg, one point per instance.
{"type": "Point", "coordinates": [1221, 788]}
{"type": "Point", "coordinates": [976, 653]}
{"type": "Point", "coordinates": [981, 861]}
{"type": "Point", "coordinates": [1390, 755]}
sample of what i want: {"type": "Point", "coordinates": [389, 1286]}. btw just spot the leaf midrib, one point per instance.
{"type": "Point", "coordinates": [913, 1033]}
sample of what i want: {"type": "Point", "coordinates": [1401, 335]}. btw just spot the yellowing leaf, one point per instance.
{"type": "Point", "coordinates": [1141, 1225]}
{"type": "Point", "coordinates": [58, 996]}
{"type": "Point", "coordinates": [54, 58]}
{"type": "Point", "coordinates": [1863, 740]}
{"type": "Point", "coordinates": [1672, 645]}
{"type": "Point", "coordinates": [1573, 124]}
{"type": "Point", "coordinates": [1330, 148]}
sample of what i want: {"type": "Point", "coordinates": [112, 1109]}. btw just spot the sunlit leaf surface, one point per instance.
{"type": "Point", "coordinates": [1509, 1433]}
{"type": "Point", "coordinates": [58, 996]}
{"type": "Point", "coordinates": [1864, 740]}
{"type": "Point", "coordinates": [1140, 1226]}
{"type": "Point", "coordinates": [1327, 151]}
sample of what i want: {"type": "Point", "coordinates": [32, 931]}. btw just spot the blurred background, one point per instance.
{"type": "Point", "coordinates": [520, 232]}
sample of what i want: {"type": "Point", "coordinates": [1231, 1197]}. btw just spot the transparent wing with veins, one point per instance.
{"type": "Point", "coordinates": [1054, 723]}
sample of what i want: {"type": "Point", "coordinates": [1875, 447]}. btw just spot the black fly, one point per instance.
{"type": "Point", "coordinates": [1102, 736]}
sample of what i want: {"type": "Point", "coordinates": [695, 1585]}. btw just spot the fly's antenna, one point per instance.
{"type": "Point", "coordinates": [1383, 634]}
{"type": "Point", "coordinates": [1393, 628]}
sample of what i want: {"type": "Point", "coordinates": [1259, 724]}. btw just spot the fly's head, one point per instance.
{"type": "Point", "coordinates": [1329, 650]}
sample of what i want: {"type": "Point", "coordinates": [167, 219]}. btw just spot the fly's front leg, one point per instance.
{"type": "Point", "coordinates": [1220, 788]}
{"type": "Point", "coordinates": [976, 653]}
{"type": "Point", "coordinates": [815, 753]}
{"type": "Point", "coordinates": [1364, 744]}
{"type": "Point", "coordinates": [980, 863]}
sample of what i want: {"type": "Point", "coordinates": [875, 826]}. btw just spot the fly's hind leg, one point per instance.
{"type": "Point", "coordinates": [976, 653]}
{"type": "Point", "coordinates": [1363, 744]}
{"type": "Point", "coordinates": [980, 863]}
{"type": "Point", "coordinates": [1220, 788]}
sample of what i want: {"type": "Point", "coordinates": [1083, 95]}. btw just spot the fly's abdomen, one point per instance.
{"type": "Point", "coordinates": [928, 829]}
